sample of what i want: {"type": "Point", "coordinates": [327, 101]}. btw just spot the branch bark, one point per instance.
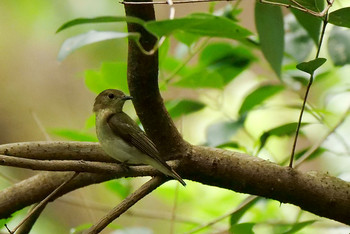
{"type": "Point", "coordinates": [315, 192]}
{"type": "Point", "coordinates": [143, 85]}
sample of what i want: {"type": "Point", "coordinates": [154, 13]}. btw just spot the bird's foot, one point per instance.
{"type": "Point", "coordinates": [124, 165]}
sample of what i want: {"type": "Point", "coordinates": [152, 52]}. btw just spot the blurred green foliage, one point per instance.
{"type": "Point", "coordinates": [249, 90]}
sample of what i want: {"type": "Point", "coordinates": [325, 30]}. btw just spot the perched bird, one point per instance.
{"type": "Point", "coordinates": [121, 137]}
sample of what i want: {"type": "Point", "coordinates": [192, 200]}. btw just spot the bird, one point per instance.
{"type": "Point", "coordinates": [121, 137]}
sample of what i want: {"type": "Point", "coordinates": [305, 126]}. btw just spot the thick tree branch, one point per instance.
{"type": "Point", "coordinates": [143, 85]}
{"type": "Point", "coordinates": [318, 193]}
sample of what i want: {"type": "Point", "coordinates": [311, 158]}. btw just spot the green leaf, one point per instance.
{"type": "Point", "coordinates": [226, 59]}
{"type": "Point", "coordinates": [311, 66]}
{"type": "Point", "coordinates": [200, 24]}
{"type": "Point", "coordinates": [178, 108]}
{"type": "Point", "coordinates": [232, 144]}
{"type": "Point", "coordinates": [314, 5]}
{"type": "Point", "coordinates": [242, 228]}
{"type": "Point", "coordinates": [258, 96]}
{"type": "Point", "coordinates": [76, 42]}
{"type": "Point", "coordinates": [73, 135]}
{"type": "Point", "coordinates": [115, 75]}
{"type": "Point", "coordinates": [311, 24]}
{"type": "Point", "coordinates": [340, 17]}
{"type": "Point", "coordinates": [186, 37]}
{"type": "Point", "coordinates": [110, 75]}
{"type": "Point", "coordinates": [90, 122]}
{"type": "Point", "coordinates": [94, 82]}
{"type": "Point", "coordinates": [201, 78]}
{"type": "Point", "coordinates": [339, 46]}
{"type": "Point", "coordinates": [220, 133]}
{"type": "Point", "coordinates": [283, 130]}
{"type": "Point", "coordinates": [314, 155]}
{"type": "Point", "coordinates": [237, 215]}
{"type": "Point", "coordinates": [298, 226]}
{"type": "Point", "coordinates": [101, 19]}
{"type": "Point", "coordinates": [269, 24]}
{"type": "Point", "coordinates": [121, 187]}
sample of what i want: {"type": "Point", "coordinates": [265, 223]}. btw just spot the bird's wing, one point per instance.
{"type": "Point", "coordinates": [123, 126]}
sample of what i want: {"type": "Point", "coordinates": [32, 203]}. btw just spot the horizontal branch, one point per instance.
{"type": "Point", "coordinates": [316, 192]}
{"type": "Point", "coordinates": [80, 166]}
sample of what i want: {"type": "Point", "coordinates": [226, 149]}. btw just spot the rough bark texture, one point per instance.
{"type": "Point", "coordinates": [315, 192]}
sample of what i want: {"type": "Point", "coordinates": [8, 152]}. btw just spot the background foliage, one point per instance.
{"type": "Point", "coordinates": [227, 83]}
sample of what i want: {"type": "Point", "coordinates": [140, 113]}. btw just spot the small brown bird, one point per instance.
{"type": "Point", "coordinates": [121, 137]}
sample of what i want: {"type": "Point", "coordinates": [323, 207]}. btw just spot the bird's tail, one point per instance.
{"type": "Point", "coordinates": [177, 177]}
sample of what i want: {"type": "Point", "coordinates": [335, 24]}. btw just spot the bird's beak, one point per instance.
{"type": "Point", "coordinates": [127, 98]}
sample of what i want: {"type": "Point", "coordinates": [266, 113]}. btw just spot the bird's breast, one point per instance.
{"type": "Point", "coordinates": [114, 145]}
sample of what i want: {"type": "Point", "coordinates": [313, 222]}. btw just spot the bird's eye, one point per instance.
{"type": "Point", "coordinates": [111, 96]}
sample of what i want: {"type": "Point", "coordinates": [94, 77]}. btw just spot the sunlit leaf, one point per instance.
{"type": "Point", "coordinates": [340, 17]}
{"type": "Point", "coordinates": [110, 75]}
{"type": "Point", "coordinates": [298, 226]}
{"type": "Point", "coordinates": [311, 66]}
{"type": "Point", "coordinates": [101, 19]}
{"type": "Point", "coordinates": [237, 215]}
{"type": "Point", "coordinates": [226, 59]}
{"type": "Point", "coordinates": [269, 24]}
{"type": "Point", "coordinates": [200, 24]}
{"type": "Point", "coordinates": [94, 82]}
{"type": "Point", "coordinates": [122, 187]}
{"type": "Point", "coordinates": [242, 228]}
{"type": "Point", "coordinates": [258, 96]}
{"type": "Point", "coordinates": [283, 130]}
{"type": "Point", "coordinates": [90, 122]}
{"type": "Point", "coordinates": [76, 42]}
{"type": "Point", "coordinates": [179, 108]}
{"type": "Point", "coordinates": [186, 37]}
{"type": "Point", "coordinates": [220, 133]}
{"type": "Point", "coordinates": [232, 144]}
{"type": "Point", "coordinates": [201, 78]}
{"type": "Point", "coordinates": [114, 74]}
{"type": "Point", "coordinates": [73, 135]}
{"type": "Point", "coordinates": [339, 46]}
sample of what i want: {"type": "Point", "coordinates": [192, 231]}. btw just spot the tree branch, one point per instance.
{"type": "Point", "coordinates": [143, 85]}
{"type": "Point", "coordinates": [128, 202]}
{"type": "Point", "coordinates": [315, 192]}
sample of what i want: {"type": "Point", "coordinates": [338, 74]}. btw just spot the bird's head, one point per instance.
{"type": "Point", "coordinates": [110, 99]}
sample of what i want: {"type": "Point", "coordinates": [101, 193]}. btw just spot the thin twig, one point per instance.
{"type": "Point", "coordinates": [308, 153]}
{"type": "Point", "coordinates": [128, 202]}
{"type": "Point", "coordinates": [175, 2]}
{"type": "Point", "coordinates": [300, 7]}
{"type": "Point", "coordinates": [41, 126]}
{"type": "Point", "coordinates": [325, 21]}
{"type": "Point", "coordinates": [45, 201]}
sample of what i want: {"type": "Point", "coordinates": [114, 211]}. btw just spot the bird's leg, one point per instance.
{"type": "Point", "coordinates": [124, 165]}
